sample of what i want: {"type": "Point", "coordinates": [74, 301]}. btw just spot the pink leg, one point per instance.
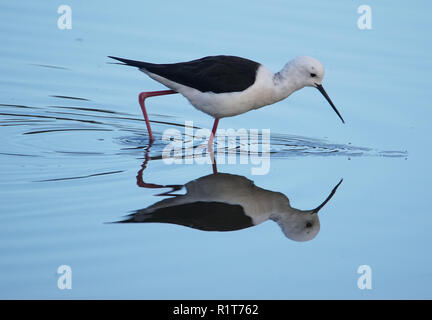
{"type": "Point", "coordinates": [213, 133]}
{"type": "Point", "coordinates": [142, 96]}
{"type": "Point", "coordinates": [210, 144]}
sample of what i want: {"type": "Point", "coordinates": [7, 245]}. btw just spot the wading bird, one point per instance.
{"type": "Point", "coordinates": [225, 86]}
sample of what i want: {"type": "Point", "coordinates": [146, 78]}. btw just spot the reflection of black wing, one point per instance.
{"type": "Point", "coordinates": [207, 216]}
{"type": "Point", "coordinates": [216, 74]}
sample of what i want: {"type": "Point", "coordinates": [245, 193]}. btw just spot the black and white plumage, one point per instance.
{"type": "Point", "coordinates": [227, 202]}
{"type": "Point", "coordinates": [218, 74]}
{"type": "Point", "coordinates": [225, 86]}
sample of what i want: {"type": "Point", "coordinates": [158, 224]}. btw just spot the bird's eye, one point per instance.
{"type": "Point", "coordinates": [313, 75]}
{"type": "Point", "coordinates": [308, 225]}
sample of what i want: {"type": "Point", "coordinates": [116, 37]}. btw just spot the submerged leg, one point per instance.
{"type": "Point", "coordinates": [142, 96]}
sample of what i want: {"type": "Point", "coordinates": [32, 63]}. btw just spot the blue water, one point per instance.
{"type": "Point", "coordinates": [73, 143]}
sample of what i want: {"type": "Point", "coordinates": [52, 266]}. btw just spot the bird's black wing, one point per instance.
{"type": "Point", "coordinates": [216, 74]}
{"type": "Point", "coordinates": [207, 216]}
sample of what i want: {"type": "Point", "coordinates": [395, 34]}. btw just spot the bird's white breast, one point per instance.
{"type": "Point", "coordinates": [220, 105]}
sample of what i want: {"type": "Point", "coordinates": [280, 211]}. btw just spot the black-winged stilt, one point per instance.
{"type": "Point", "coordinates": [225, 86]}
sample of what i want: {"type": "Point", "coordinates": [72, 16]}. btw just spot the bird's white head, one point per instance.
{"type": "Point", "coordinates": [301, 225]}
{"type": "Point", "coordinates": [298, 225]}
{"type": "Point", "coordinates": [309, 71]}
{"type": "Point", "coordinates": [303, 72]}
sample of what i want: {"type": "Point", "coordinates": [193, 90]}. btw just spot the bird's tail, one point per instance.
{"type": "Point", "coordinates": [132, 63]}
{"type": "Point", "coordinates": [139, 216]}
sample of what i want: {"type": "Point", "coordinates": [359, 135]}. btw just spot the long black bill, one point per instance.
{"type": "Point", "coordinates": [328, 198]}
{"type": "Point", "coordinates": [321, 89]}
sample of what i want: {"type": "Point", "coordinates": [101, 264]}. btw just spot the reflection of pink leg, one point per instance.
{"type": "Point", "coordinates": [212, 156]}
{"type": "Point", "coordinates": [142, 184]}
{"type": "Point", "coordinates": [142, 96]}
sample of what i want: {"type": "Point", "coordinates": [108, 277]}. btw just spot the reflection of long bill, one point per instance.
{"type": "Point", "coordinates": [321, 89]}
{"type": "Point", "coordinates": [332, 193]}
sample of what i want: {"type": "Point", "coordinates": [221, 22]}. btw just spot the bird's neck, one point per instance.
{"type": "Point", "coordinates": [286, 81]}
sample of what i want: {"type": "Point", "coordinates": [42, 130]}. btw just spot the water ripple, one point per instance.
{"type": "Point", "coordinates": [281, 146]}
{"type": "Point", "coordinates": [129, 134]}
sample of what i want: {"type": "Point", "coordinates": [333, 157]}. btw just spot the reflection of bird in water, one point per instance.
{"type": "Point", "coordinates": [226, 202]}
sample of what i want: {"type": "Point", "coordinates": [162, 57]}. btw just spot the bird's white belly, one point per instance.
{"type": "Point", "coordinates": [228, 104]}
{"type": "Point", "coordinates": [220, 105]}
